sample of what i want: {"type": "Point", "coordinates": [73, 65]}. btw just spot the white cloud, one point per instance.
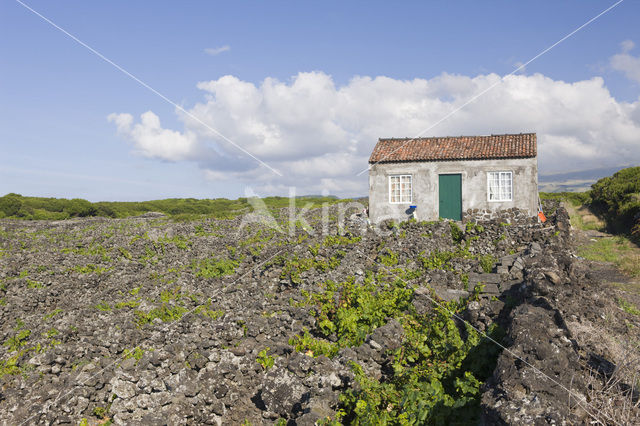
{"type": "Point", "coordinates": [627, 63]}
{"type": "Point", "coordinates": [213, 51]}
{"type": "Point", "coordinates": [151, 140]}
{"type": "Point", "coordinates": [320, 135]}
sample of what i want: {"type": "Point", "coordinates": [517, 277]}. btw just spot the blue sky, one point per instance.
{"type": "Point", "coordinates": [56, 96]}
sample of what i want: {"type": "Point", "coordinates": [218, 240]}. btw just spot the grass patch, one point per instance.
{"type": "Point", "coordinates": [618, 250]}
{"type": "Point", "coordinates": [628, 307]}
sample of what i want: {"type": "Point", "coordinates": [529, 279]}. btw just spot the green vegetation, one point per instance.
{"type": "Point", "coordinates": [266, 361]}
{"type": "Point", "coordinates": [351, 311]}
{"type": "Point", "coordinates": [456, 233]}
{"type": "Point", "coordinates": [34, 284]}
{"type": "Point", "coordinates": [628, 307]}
{"type": "Point", "coordinates": [103, 306]}
{"type": "Point", "coordinates": [125, 253]}
{"type": "Point", "coordinates": [134, 303]}
{"type": "Point", "coordinates": [172, 308]}
{"type": "Point", "coordinates": [136, 353]}
{"type": "Point", "coordinates": [166, 313]}
{"type": "Point", "coordinates": [575, 198]}
{"type": "Point", "coordinates": [52, 314]}
{"type": "Point", "coordinates": [94, 250]}
{"type": "Point", "coordinates": [10, 366]}
{"type": "Point", "coordinates": [486, 262]}
{"type": "Point", "coordinates": [436, 380]}
{"type": "Point", "coordinates": [340, 240]}
{"type": "Point", "coordinates": [436, 260]}
{"type": "Point", "coordinates": [615, 199]}
{"type": "Point", "coordinates": [214, 268]}
{"type": "Point", "coordinates": [437, 370]}
{"type": "Point", "coordinates": [206, 310]}
{"type": "Point", "coordinates": [89, 269]}
{"type": "Point", "coordinates": [15, 206]}
{"type": "Point", "coordinates": [618, 199]}
{"type": "Point", "coordinates": [470, 226]}
{"type": "Point", "coordinates": [100, 412]}
{"type": "Point", "coordinates": [293, 265]}
{"type": "Point", "coordinates": [180, 242]}
{"type": "Point", "coordinates": [618, 250]}
{"type": "Point", "coordinates": [388, 257]}
{"type": "Point", "coordinates": [18, 340]}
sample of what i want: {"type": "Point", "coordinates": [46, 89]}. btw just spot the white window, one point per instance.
{"type": "Point", "coordinates": [400, 189]}
{"type": "Point", "coordinates": [499, 186]}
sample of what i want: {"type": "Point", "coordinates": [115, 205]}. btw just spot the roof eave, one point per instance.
{"type": "Point", "coordinates": [440, 160]}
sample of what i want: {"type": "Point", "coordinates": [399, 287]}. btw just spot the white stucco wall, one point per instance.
{"type": "Point", "coordinates": [474, 186]}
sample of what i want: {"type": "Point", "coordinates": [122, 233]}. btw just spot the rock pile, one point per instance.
{"type": "Point", "coordinates": [150, 321]}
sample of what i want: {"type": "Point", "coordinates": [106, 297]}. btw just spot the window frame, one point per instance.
{"type": "Point", "coordinates": [400, 176]}
{"type": "Point", "coordinates": [500, 173]}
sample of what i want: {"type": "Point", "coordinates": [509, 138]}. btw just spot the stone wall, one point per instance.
{"type": "Point", "coordinates": [512, 215]}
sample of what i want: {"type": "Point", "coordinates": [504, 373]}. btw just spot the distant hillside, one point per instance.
{"type": "Point", "coordinates": [15, 206]}
{"type": "Point", "coordinates": [573, 181]}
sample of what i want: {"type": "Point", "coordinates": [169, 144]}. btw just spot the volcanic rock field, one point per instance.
{"type": "Point", "coordinates": [147, 320]}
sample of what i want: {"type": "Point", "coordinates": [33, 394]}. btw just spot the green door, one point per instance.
{"type": "Point", "coordinates": [450, 190]}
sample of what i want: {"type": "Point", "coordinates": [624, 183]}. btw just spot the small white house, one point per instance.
{"type": "Point", "coordinates": [457, 178]}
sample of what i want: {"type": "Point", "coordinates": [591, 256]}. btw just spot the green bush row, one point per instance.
{"type": "Point", "coordinates": [618, 199]}
{"type": "Point", "coordinates": [15, 206]}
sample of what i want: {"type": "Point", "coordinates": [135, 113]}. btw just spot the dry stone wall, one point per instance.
{"type": "Point", "coordinates": [149, 321]}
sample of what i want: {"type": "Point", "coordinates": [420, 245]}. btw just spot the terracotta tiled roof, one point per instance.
{"type": "Point", "coordinates": [522, 145]}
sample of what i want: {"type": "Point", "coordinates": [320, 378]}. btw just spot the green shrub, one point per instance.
{"type": "Point", "coordinates": [166, 313]}
{"type": "Point", "coordinates": [351, 310]}
{"type": "Point", "coordinates": [10, 204]}
{"type": "Point", "coordinates": [266, 361]}
{"type": "Point", "coordinates": [388, 257]}
{"type": "Point", "coordinates": [618, 199]}
{"type": "Point", "coordinates": [436, 260]}
{"type": "Point", "coordinates": [80, 208]}
{"type": "Point", "coordinates": [18, 340]}
{"type": "Point", "coordinates": [436, 377]}
{"type": "Point", "coordinates": [214, 268]}
{"type": "Point", "coordinates": [486, 262]}
{"type": "Point", "coordinates": [575, 198]}
{"type": "Point", "coordinates": [17, 206]}
{"type": "Point", "coordinates": [136, 353]}
{"type": "Point", "coordinates": [456, 233]}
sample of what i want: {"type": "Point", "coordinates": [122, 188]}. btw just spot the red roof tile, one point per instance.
{"type": "Point", "coordinates": [522, 145]}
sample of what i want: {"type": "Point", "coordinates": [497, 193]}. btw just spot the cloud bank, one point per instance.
{"type": "Point", "coordinates": [319, 135]}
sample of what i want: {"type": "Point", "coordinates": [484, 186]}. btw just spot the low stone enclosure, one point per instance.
{"type": "Point", "coordinates": [150, 321]}
{"type": "Point", "coordinates": [512, 215]}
